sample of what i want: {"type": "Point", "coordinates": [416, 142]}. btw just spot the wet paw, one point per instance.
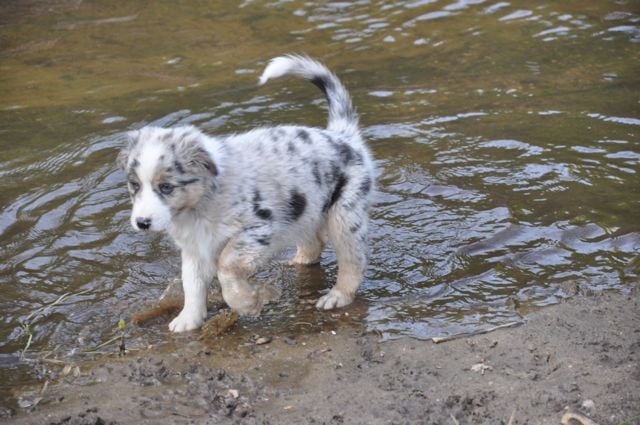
{"type": "Point", "coordinates": [304, 260]}
{"type": "Point", "coordinates": [250, 308]}
{"type": "Point", "coordinates": [186, 321]}
{"type": "Point", "coordinates": [334, 299]}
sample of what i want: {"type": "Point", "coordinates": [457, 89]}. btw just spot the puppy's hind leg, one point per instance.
{"type": "Point", "coordinates": [308, 251]}
{"type": "Point", "coordinates": [238, 262]}
{"type": "Point", "coordinates": [348, 234]}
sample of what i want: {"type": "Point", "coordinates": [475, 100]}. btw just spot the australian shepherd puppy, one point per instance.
{"type": "Point", "coordinates": [231, 202]}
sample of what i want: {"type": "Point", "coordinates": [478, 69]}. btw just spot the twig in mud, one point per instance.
{"type": "Point", "coordinates": [570, 416]}
{"type": "Point", "coordinates": [28, 344]}
{"type": "Point", "coordinates": [439, 339]}
{"type": "Point", "coordinates": [455, 421]}
{"type": "Point", "coordinates": [44, 387]}
{"type": "Point", "coordinates": [318, 352]}
{"type": "Point", "coordinates": [165, 308]}
{"type": "Point", "coordinates": [123, 350]}
{"type": "Point", "coordinates": [97, 347]}
{"type": "Point", "coordinates": [512, 418]}
{"type": "Point", "coordinates": [26, 324]}
{"type": "Point", "coordinates": [52, 361]}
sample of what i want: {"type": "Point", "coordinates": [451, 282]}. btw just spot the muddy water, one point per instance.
{"type": "Point", "coordinates": [507, 137]}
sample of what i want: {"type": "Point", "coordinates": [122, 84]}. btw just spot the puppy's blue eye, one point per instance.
{"type": "Point", "coordinates": [165, 188]}
{"type": "Point", "coordinates": [135, 186]}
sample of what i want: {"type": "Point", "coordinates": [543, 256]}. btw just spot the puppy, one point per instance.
{"type": "Point", "coordinates": [231, 202]}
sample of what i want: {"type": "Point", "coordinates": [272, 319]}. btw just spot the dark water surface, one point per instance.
{"type": "Point", "coordinates": [506, 136]}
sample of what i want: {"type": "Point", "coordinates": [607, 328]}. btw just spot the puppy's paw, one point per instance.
{"type": "Point", "coordinates": [251, 307]}
{"type": "Point", "coordinates": [304, 259]}
{"type": "Point", "coordinates": [186, 321]}
{"type": "Point", "coordinates": [334, 299]}
{"type": "Point", "coordinates": [250, 303]}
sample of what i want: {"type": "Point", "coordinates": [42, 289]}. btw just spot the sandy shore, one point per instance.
{"type": "Point", "coordinates": [581, 356]}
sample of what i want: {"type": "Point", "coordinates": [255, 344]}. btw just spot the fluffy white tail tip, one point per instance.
{"type": "Point", "coordinates": [277, 68]}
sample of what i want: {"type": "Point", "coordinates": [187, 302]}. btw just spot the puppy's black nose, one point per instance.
{"type": "Point", "coordinates": [143, 223]}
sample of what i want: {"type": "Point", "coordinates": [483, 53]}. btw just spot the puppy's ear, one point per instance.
{"type": "Point", "coordinates": [191, 150]}
{"type": "Point", "coordinates": [123, 155]}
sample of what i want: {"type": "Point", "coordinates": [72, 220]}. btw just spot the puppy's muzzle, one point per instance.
{"type": "Point", "coordinates": [143, 223]}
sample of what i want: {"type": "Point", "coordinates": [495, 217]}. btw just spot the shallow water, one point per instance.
{"type": "Point", "coordinates": [506, 137]}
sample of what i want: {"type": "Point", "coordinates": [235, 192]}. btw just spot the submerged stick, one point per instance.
{"type": "Point", "coordinates": [97, 347]}
{"type": "Point", "coordinates": [439, 339]}
{"type": "Point", "coordinates": [26, 325]}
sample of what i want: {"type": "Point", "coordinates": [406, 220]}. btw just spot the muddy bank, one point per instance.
{"type": "Point", "coordinates": [582, 355]}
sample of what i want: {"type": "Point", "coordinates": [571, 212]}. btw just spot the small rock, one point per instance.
{"type": "Point", "coordinates": [588, 404]}
{"type": "Point", "coordinates": [66, 370]}
{"type": "Point", "coordinates": [6, 412]}
{"type": "Point", "coordinates": [24, 404]}
{"type": "Point", "coordinates": [263, 340]}
{"type": "Point", "coordinates": [480, 367]}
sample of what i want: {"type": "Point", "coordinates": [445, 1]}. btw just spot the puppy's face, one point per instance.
{"type": "Point", "coordinates": [168, 172]}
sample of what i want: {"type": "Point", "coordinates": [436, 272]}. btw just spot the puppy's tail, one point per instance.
{"type": "Point", "coordinates": [342, 116]}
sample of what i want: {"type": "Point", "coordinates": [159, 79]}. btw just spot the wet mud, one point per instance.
{"type": "Point", "coordinates": [580, 356]}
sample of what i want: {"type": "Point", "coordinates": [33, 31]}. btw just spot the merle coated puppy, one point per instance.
{"type": "Point", "coordinates": [231, 202]}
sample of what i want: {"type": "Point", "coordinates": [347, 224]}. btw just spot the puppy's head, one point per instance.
{"type": "Point", "coordinates": [169, 171]}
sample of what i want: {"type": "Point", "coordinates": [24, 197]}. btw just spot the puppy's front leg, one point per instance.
{"type": "Point", "coordinates": [196, 275]}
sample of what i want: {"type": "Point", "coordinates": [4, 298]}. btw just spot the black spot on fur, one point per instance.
{"type": "Point", "coordinates": [168, 136]}
{"type": "Point", "coordinates": [203, 157]}
{"type": "Point", "coordinates": [355, 227]}
{"type": "Point", "coordinates": [291, 148]}
{"type": "Point", "coordinates": [179, 167]}
{"type": "Point", "coordinates": [263, 213]}
{"type": "Point", "coordinates": [264, 241]}
{"type": "Point", "coordinates": [333, 175]}
{"type": "Point", "coordinates": [212, 167]}
{"type": "Point", "coordinates": [135, 163]}
{"type": "Point", "coordinates": [297, 205]}
{"type": "Point", "coordinates": [257, 198]}
{"type": "Point", "coordinates": [359, 160]}
{"type": "Point", "coordinates": [304, 136]}
{"type": "Point", "coordinates": [315, 169]}
{"type": "Point", "coordinates": [276, 134]}
{"type": "Point", "coordinates": [324, 84]}
{"type": "Point", "coordinates": [345, 151]}
{"type": "Point", "coordinates": [337, 192]}
{"type": "Point", "coordinates": [186, 182]}
{"type": "Point", "coordinates": [365, 186]}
